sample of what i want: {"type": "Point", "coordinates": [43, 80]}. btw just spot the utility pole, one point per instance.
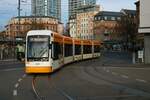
{"type": "Point", "coordinates": [34, 25]}
{"type": "Point", "coordinates": [19, 4]}
{"type": "Point", "coordinates": [18, 33]}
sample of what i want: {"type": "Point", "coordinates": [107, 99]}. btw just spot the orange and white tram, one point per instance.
{"type": "Point", "coordinates": [47, 51]}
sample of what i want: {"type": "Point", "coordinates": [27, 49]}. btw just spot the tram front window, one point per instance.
{"type": "Point", "coordinates": [38, 48]}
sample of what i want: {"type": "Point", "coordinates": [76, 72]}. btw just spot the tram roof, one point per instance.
{"type": "Point", "coordinates": [58, 37]}
{"type": "Point", "coordinates": [68, 40]}
{"type": "Point", "coordinates": [77, 41]}
{"type": "Point", "coordinates": [87, 42]}
{"type": "Point", "coordinates": [95, 42]}
{"type": "Point", "coordinates": [39, 32]}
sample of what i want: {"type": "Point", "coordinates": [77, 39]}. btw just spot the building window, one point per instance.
{"type": "Point", "coordinates": [118, 18]}
{"type": "Point", "coordinates": [105, 17]}
{"type": "Point", "coordinates": [95, 18]}
{"type": "Point", "coordinates": [17, 27]}
{"type": "Point", "coordinates": [112, 18]}
{"type": "Point", "coordinates": [99, 18]}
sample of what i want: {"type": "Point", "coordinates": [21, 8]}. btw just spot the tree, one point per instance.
{"type": "Point", "coordinates": [129, 30]}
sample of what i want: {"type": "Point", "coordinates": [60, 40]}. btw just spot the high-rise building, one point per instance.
{"type": "Point", "coordinates": [46, 8]}
{"type": "Point", "coordinates": [87, 2]}
{"type": "Point", "coordinates": [75, 6]}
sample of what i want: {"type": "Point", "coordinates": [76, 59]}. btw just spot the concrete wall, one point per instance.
{"type": "Point", "coordinates": [147, 48]}
{"type": "Point", "coordinates": [144, 27]}
{"type": "Point", "coordinates": [144, 16]}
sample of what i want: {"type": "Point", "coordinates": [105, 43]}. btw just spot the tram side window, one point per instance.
{"type": "Point", "coordinates": [77, 49]}
{"type": "Point", "coordinates": [96, 48]}
{"type": "Point", "coordinates": [57, 50]}
{"type": "Point", "coordinates": [68, 50]}
{"type": "Point", "coordinates": [87, 49]}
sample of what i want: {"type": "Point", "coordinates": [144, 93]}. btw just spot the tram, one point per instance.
{"type": "Point", "coordinates": [47, 51]}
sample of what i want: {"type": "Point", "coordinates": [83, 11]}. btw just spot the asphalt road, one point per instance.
{"type": "Point", "coordinates": [111, 77]}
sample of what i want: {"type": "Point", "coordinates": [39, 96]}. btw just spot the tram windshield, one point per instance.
{"type": "Point", "coordinates": [38, 48]}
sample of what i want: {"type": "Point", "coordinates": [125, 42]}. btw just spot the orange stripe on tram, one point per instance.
{"type": "Point", "coordinates": [43, 69]}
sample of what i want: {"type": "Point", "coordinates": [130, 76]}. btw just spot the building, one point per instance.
{"type": "Point", "coordinates": [88, 8]}
{"type": "Point", "coordinates": [81, 15]}
{"type": "Point", "coordinates": [14, 29]}
{"type": "Point", "coordinates": [139, 46]}
{"type": "Point", "coordinates": [144, 16]}
{"type": "Point", "coordinates": [144, 27]}
{"type": "Point", "coordinates": [60, 28]}
{"type": "Point", "coordinates": [2, 36]}
{"type": "Point", "coordinates": [87, 2]}
{"type": "Point", "coordinates": [107, 27]}
{"type": "Point", "coordinates": [75, 5]}
{"type": "Point", "coordinates": [116, 28]}
{"type": "Point", "coordinates": [50, 8]}
{"type": "Point", "coordinates": [139, 37]}
{"type": "Point", "coordinates": [81, 25]}
{"type": "Point", "coordinates": [73, 26]}
{"type": "Point", "coordinates": [85, 24]}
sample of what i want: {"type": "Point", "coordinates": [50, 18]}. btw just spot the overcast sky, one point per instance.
{"type": "Point", "coordinates": [8, 8]}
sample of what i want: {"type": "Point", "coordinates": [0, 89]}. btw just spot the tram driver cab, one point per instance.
{"type": "Point", "coordinates": [38, 51]}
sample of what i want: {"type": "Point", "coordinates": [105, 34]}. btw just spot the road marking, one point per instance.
{"type": "Point", "coordinates": [11, 69]}
{"type": "Point", "coordinates": [14, 92]}
{"type": "Point", "coordinates": [16, 85]}
{"type": "Point", "coordinates": [24, 75]}
{"type": "Point", "coordinates": [124, 76]}
{"type": "Point", "coordinates": [114, 73]}
{"type": "Point", "coordinates": [104, 68]}
{"type": "Point", "coordinates": [140, 80]}
{"type": "Point", "coordinates": [64, 93]}
{"type": "Point", "coordinates": [20, 79]}
{"type": "Point", "coordinates": [107, 70]}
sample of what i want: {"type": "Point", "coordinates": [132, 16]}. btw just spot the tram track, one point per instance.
{"type": "Point", "coordinates": [62, 92]}
{"type": "Point", "coordinates": [58, 90]}
{"type": "Point", "coordinates": [36, 92]}
{"type": "Point", "coordinates": [120, 87]}
{"type": "Point", "coordinates": [135, 87]}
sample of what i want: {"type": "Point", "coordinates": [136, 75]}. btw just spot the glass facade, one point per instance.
{"type": "Point", "coordinates": [46, 8]}
{"type": "Point", "coordinates": [74, 5]}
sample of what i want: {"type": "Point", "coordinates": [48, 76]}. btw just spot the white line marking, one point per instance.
{"type": "Point", "coordinates": [107, 70]}
{"type": "Point", "coordinates": [104, 68]}
{"type": "Point", "coordinates": [140, 80]}
{"type": "Point", "coordinates": [14, 92]}
{"type": "Point", "coordinates": [124, 76]}
{"type": "Point", "coordinates": [19, 80]}
{"type": "Point", "coordinates": [16, 85]}
{"type": "Point", "coordinates": [24, 75]}
{"type": "Point", "coordinates": [114, 73]}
